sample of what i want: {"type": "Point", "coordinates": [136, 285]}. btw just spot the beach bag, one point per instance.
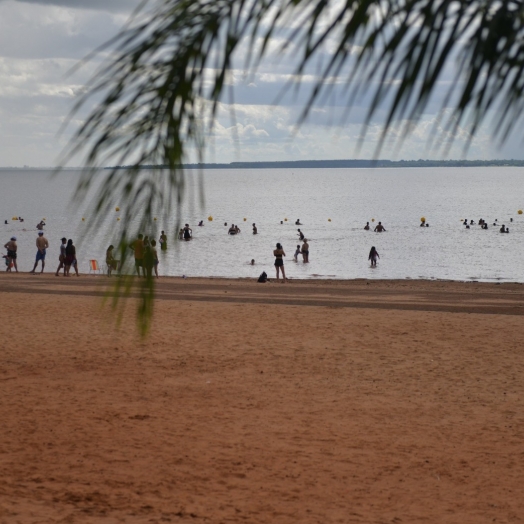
{"type": "Point", "coordinates": [262, 278]}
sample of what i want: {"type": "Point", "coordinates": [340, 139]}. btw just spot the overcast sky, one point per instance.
{"type": "Point", "coordinates": [41, 40]}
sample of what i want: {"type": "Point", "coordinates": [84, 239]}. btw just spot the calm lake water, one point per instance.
{"type": "Point", "coordinates": [338, 249]}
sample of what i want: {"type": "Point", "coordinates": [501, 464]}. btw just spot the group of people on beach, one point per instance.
{"type": "Point", "coordinates": [66, 259]}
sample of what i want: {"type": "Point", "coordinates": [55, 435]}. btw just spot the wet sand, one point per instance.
{"type": "Point", "coordinates": [311, 402]}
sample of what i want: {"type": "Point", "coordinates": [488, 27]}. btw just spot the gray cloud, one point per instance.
{"type": "Point", "coordinates": [112, 6]}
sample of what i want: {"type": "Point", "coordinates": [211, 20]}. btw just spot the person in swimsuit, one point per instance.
{"type": "Point", "coordinates": [138, 247]}
{"type": "Point", "coordinates": [12, 248]}
{"type": "Point", "coordinates": [61, 257]}
{"type": "Point", "coordinates": [70, 257]}
{"type": "Point", "coordinates": [502, 229]}
{"type": "Point", "coordinates": [297, 252]}
{"type": "Point", "coordinates": [279, 261]}
{"type": "Point", "coordinates": [188, 233]}
{"type": "Point", "coordinates": [163, 241]}
{"type": "Point", "coordinates": [298, 223]}
{"type": "Point", "coordinates": [255, 230]}
{"type": "Point", "coordinates": [380, 228]}
{"type": "Point", "coordinates": [42, 244]}
{"type": "Point", "coordinates": [366, 227]}
{"type": "Point", "coordinates": [305, 251]}
{"type": "Point", "coordinates": [237, 229]}
{"type": "Point", "coordinates": [154, 252]}
{"type": "Point", "coordinates": [373, 255]}
{"type": "Point", "coordinates": [232, 230]}
{"type": "Point", "coordinates": [300, 235]}
{"type": "Point", "coordinates": [112, 264]}
{"type": "Point", "coordinates": [201, 223]}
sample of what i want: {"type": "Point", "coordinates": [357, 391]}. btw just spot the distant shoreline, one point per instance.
{"type": "Point", "coordinates": [310, 164]}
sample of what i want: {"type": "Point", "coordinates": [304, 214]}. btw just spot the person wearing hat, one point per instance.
{"type": "Point", "coordinates": [42, 244]}
{"type": "Point", "coordinates": [11, 254]}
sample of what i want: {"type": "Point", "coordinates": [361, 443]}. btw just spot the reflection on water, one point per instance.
{"type": "Point", "coordinates": [338, 248]}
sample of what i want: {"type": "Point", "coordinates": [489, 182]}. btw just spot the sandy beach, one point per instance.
{"type": "Point", "coordinates": [310, 402]}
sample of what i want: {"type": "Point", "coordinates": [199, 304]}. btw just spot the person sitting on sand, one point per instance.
{"type": "Point", "coordinates": [42, 244]}
{"type": "Point", "coordinates": [232, 230]}
{"type": "Point", "coordinates": [366, 227]}
{"type": "Point", "coordinates": [279, 261]}
{"type": "Point", "coordinates": [380, 228]}
{"type": "Point", "coordinates": [297, 252]}
{"type": "Point", "coordinates": [255, 230]}
{"type": "Point", "coordinates": [305, 251]}
{"type": "Point", "coordinates": [373, 256]}
{"type": "Point", "coordinates": [12, 249]}
{"type": "Point", "coordinates": [300, 235]}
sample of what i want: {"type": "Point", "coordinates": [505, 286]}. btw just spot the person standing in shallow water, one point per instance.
{"type": "Point", "coordinates": [373, 256]}
{"type": "Point", "coordinates": [279, 261]}
{"type": "Point", "coordinates": [305, 251]}
{"type": "Point", "coordinates": [12, 249]}
{"type": "Point", "coordinates": [163, 241]}
{"type": "Point", "coordinates": [380, 228]}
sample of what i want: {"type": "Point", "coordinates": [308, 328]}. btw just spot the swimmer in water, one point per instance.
{"type": "Point", "coordinates": [373, 255]}
{"type": "Point", "coordinates": [300, 235]}
{"type": "Point", "coordinates": [380, 228]}
{"type": "Point", "coordinates": [181, 234]}
{"type": "Point", "coordinates": [423, 223]}
{"type": "Point", "coordinates": [502, 229]}
{"type": "Point", "coordinates": [281, 222]}
{"type": "Point", "coordinates": [201, 223]}
{"type": "Point", "coordinates": [255, 230]}
{"type": "Point", "coordinates": [297, 252]}
{"type": "Point", "coordinates": [188, 233]}
{"type": "Point", "coordinates": [366, 227]}
{"type": "Point", "coordinates": [232, 230]}
{"type": "Point", "coordinates": [163, 241]}
{"type": "Point", "coordinates": [298, 223]}
{"type": "Point", "coordinates": [237, 229]}
{"type": "Point", "coordinates": [252, 262]}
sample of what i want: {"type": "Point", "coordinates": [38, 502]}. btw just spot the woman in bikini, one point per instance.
{"type": "Point", "coordinates": [279, 261]}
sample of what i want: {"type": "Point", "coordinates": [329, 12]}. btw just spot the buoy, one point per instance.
{"type": "Point", "coordinates": [245, 219]}
{"type": "Point", "coordinates": [118, 219]}
{"type": "Point", "coordinates": [117, 209]}
{"type": "Point", "coordinates": [285, 219]}
{"type": "Point", "coordinates": [520, 211]}
{"type": "Point", "coordinates": [14, 218]}
{"type": "Point", "coordinates": [422, 219]}
{"type": "Point", "coordinates": [210, 218]}
{"type": "Point", "coordinates": [83, 219]}
{"type": "Point", "coordinates": [372, 220]}
{"type": "Point", "coordinates": [329, 219]}
{"type": "Point", "coordinates": [43, 218]}
{"type": "Point", "coordinates": [154, 219]}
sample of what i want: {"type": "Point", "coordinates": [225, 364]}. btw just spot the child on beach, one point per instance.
{"type": "Point", "coordinates": [297, 252]}
{"type": "Point", "coordinates": [373, 255]}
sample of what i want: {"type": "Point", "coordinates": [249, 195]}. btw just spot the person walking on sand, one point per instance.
{"type": "Point", "coordinates": [305, 251]}
{"type": "Point", "coordinates": [112, 264]}
{"type": "Point", "coordinates": [373, 256]}
{"type": "Point", "coordinates": [61, 257]}
{"type": "Point", "coordinates": [380, 228]}
{"type": "Point", "coordinates": [42, 244]}
{"type": "Point", "coordinates": [12, 249]}
{"type": "Point", "coordinates": [279, 261]}
{"type": "Point", "coordinates": [70, 257]}
{"type": "Point", "coordinates": [138, 247]}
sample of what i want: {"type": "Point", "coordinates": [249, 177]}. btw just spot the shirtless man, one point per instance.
{"type": "Point", "coordinates": [366, 227]}
{"type": "Point", "coordinates": [255, 230]}
{"type": "Point", "coordinates": [138, 247]}
{"type": "Point", "coordinates": [42, 244]}
{"type": "Point", "coordinates": [305, 251]}
{"type": "Point", "coordinates": [61, 257]}
{"type": "Point", "coordinates": [300, 235]}
{"type": "Point", "coordinates": [380, 228]}
{"type": "Point", "coordinates": [12, 248]}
